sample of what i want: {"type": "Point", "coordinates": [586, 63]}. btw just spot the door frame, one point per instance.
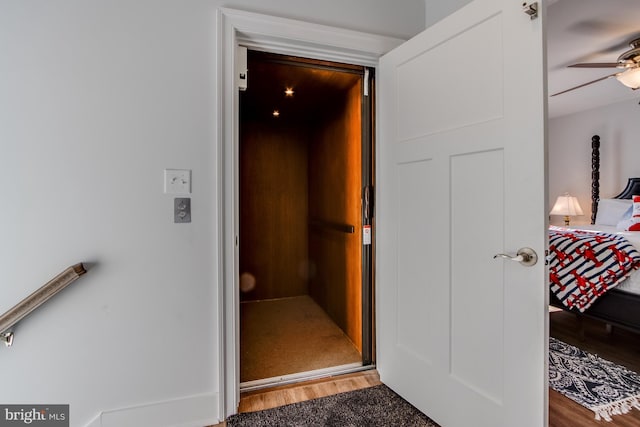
{"type": "Point", "coordinates": [277, 35]}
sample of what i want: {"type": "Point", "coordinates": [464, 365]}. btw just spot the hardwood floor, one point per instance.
{"type": "Point", "coordinates": [619, 346]}
{"type": "Point", "coordinates": [284, 395]}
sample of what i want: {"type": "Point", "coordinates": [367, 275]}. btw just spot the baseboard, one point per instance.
{"type": "Point", "coordinates": [194, 411]}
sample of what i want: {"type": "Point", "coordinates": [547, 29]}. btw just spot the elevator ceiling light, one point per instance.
{"type": "Point", "coordinates": [276, 113]}
{"type": "Point", "coordinates": [288, 91]}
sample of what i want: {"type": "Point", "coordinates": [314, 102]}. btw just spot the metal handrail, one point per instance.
{"type": "Point", "coordinates": [37, 298]}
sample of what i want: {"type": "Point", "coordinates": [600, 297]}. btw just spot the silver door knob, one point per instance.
{"type": "Point", "coordinates": [525, 256]}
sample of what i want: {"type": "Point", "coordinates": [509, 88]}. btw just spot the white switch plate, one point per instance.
{"type": "Point", "coordinates": [177, 181]}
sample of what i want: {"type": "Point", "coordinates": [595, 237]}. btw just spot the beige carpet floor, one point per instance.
{"type": "Point", "coordinates": [287, 336]}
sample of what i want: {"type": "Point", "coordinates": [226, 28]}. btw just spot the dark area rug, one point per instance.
{"type": "Point", "coordinates": [373, 406]}
{"type": "Point", "coordinates": [604, 387]}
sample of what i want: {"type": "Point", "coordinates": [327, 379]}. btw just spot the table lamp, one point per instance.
{"type": "Point", "coordinates": [567, 206]}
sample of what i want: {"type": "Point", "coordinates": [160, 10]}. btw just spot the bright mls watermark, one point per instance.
{"type": "Point", "coordinates": [34, 415]}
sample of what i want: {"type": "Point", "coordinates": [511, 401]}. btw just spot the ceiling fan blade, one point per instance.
{"type": "Point", "coordinates": [596, 65]}
{"type": "Point", "coordinates": [586, 84]}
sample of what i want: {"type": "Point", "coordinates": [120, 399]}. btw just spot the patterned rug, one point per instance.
{"type": "Point", "coordinates": [373, 406]}
{"type": "Point", "coordinates": [602, 386]}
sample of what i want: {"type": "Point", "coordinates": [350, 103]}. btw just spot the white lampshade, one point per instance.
{"type": "Point", "coordinates": [630, 78]}
{"type": "Point", "coordinates": [567, 206]}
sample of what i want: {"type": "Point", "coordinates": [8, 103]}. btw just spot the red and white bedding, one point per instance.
{"type": "Point", "coordinates": [584, 265]}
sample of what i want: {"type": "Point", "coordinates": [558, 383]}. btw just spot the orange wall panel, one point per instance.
{"type": "Point", "coordinates": [335, 197]}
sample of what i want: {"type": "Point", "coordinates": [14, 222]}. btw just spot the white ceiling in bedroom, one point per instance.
{"type": "Point", "coordinates": [588, 31]}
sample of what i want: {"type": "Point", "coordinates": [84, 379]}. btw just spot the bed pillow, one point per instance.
{"type": "Point", "coordinates": [628, 225]}
{"type": "Point", "coordinates": [626, 222]}
{"type": "Point", "coordinates": [635, 216]}
{"type": "Point", "coordinates": [612, 211]}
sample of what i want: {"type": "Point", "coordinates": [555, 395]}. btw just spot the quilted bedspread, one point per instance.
{"type": "Point", "coordinates": [583, 265]}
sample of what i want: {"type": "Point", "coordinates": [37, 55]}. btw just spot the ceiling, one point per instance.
{"type": "Point", "coordinates": [577, 31]}
{"type": "Point", "coordinates": [316, 84]}
{"type": "Point", "coordinates": [588, 31]}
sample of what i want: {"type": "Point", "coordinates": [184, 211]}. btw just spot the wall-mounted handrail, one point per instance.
{"type": "Point", "coordinates": [335, 226]}
{"type": "Point", "coordinates": [36, 299]}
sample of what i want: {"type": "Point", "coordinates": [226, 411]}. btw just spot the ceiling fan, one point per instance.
{"type": "Point", "coordinates": [628, 61]}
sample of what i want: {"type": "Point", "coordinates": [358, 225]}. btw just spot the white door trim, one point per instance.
{"type": "Point", "coordinates": [277, 35]}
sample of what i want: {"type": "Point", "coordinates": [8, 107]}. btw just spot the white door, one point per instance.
{"type": "Point", "coordinates": [461, 159]}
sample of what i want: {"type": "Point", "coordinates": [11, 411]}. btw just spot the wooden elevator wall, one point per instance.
{"type": "Point", "coordinates": [274, 209]}
{"type": "Point", "coordinates": [335, 168]}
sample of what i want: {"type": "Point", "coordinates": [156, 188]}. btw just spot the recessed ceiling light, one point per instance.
{"type": "Point", "coordinates": [276, 113]}
{"type": "Point", "coordinates": [288, 91]}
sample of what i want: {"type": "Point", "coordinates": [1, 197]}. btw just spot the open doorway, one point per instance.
{"type": "Point", "coordinates": [305, 169]}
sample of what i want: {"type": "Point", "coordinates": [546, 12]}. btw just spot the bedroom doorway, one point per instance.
{"type": "Point", "coordinates": [305, 175]}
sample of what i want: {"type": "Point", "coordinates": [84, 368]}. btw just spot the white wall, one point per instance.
{"type": "Point", "coordinates": [96, 99]}
{"type": "Point", "coordinates": [570, 153]}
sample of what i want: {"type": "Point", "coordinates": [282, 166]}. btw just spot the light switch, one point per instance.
{"type": "Point", "coordinates": [177, 181]}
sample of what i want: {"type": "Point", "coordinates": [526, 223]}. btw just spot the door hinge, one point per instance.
{"type": "Point", "coordinates": [367, 205]}
{"type": "Point", "coordinates": [366, 82]}
{"type": "Point", "coordinates": [531, 9]}
{"type": "Point", "coordinates": [241, 68]}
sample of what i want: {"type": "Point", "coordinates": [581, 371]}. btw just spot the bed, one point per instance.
{"type": "Point", "coordinates": [619, 306]}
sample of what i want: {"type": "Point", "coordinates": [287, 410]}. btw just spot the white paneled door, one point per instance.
{"type": "Point", "coordinates": [461, 178]}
